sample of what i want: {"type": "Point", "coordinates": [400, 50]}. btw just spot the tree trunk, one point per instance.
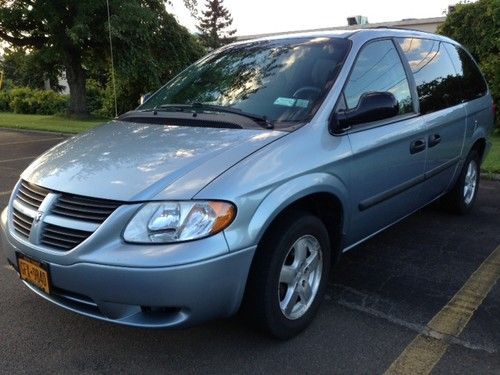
{"type": "Point", "coordinates": [75, 74]}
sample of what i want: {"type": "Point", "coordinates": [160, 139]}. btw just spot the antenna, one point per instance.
{"type": "Point", "coordinates": [112, 61]}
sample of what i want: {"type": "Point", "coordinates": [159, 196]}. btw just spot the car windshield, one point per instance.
{"type": "Point", "coordinates": [281, 80]}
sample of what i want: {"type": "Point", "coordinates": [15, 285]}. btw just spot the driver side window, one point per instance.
{"type": "Point", "coordinates": [378, 68]}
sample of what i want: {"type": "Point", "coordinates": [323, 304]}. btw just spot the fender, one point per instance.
{"type": "Point", "coordinates": [283, 196]}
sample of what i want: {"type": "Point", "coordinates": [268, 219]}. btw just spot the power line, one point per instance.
{"type": "Point", "coordinates": [112, 60]}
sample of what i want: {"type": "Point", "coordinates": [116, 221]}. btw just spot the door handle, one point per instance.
{"type": "Point", "coordinates": [434, 139]}
{"type": "Point", "coordinates": [417, 146]}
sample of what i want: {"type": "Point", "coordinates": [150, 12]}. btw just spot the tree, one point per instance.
{"type": "Point", "coordinates": [29, 69]}
{"type": "Point", "coordinates": [74, 33]}
{"type": "Point", "coordinates": [477, 27]}
{"type": "Point", "coordinates": [214, 25]}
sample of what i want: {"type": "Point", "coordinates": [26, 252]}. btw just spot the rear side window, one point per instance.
{"type": "Point", "coordinates": [473, 84]}
{"type": "Point", "coordinates": [438, 84]}
{"type": "Point", "coordinates": [378, 68]}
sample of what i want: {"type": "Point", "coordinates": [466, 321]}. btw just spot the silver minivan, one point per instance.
{"type": "Point", "coordinates": [241, 181]}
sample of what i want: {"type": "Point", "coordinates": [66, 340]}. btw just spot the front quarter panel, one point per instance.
{"type": "Point", "coordinates": [307, 161]}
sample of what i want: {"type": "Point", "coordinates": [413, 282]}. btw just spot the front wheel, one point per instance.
{"type": "Point", "coordinates": [289, 275]}
{"type": "Point", "coordinates": [462, 197]}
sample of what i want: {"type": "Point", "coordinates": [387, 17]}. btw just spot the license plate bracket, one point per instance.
{"type": "Point", "coordinates": [34, 272]}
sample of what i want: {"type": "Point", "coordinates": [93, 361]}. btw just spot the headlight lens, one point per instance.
{"type": "Point", "coordinates": [167, 222]}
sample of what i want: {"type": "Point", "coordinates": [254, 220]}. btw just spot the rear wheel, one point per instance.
{"type": "Point", "coordinates": [462, 197]}
{"type": "Point", "coordinates": [289, 275]}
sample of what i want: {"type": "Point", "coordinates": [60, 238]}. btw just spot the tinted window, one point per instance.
{"type": "Point", "coordinates": [438, 84]}
{"type": "Point", "coordinates": [473, 84]}
{"type": "Point", "coordinates": [378, 68]}
{"type": "Point", "coordinates": [284, 80]}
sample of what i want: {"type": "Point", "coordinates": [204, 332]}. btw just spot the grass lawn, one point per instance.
{"type": "Point", "coordinates": [59, 124]}
{"type": "Point", "coordinates": [492, 162]}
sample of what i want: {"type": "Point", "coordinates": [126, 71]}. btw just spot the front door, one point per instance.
{"type": "Point", "coordinates": [389, 156]}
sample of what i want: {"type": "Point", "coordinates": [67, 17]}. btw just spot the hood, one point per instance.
{"type": "Point", "coordinates": [133, 162]}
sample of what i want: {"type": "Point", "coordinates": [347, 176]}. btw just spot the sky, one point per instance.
{"type": "Point", "coordinates": [268, 16]}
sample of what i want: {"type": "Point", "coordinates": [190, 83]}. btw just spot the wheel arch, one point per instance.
{"type": "Point", "coordinates": [480, 146]}
{"type": "Point", "coordinates": [326, 199]}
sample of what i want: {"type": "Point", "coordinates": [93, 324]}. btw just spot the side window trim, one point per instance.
{"type": "Point", "coordinates": [446, 47]}
{"type": "Point", "coordinates": [409, 77]}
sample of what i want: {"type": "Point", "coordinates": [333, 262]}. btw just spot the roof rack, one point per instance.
{"type": "Point", "coordinates": [399, 28]}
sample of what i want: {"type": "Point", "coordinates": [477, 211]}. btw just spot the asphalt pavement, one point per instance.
{"type": "Point", "coordinates": [382, 296]}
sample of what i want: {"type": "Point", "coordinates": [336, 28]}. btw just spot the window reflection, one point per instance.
{"type": "Point", "coordinates": [379, 68]}
{"type": "Point", "coordinates": [283, 79]}
{"type": "Point", "coordinates": [438, 83]}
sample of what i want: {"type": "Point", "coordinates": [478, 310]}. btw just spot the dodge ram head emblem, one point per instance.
{"type": "Point", "coordinates": [38, 216]}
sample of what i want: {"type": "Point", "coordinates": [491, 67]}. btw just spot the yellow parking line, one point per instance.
{"type": "Point", "coordinates": [425, 351]}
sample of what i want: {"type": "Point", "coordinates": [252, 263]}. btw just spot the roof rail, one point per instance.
{"type": "Point", "coordinates": [400, 28]}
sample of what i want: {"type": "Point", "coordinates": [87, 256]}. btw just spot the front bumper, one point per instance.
{"type": "Point", "coordinates": [167, 296]}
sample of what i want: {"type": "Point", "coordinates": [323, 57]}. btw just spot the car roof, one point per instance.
{"type": "Point", "coordinates": [363, 33]}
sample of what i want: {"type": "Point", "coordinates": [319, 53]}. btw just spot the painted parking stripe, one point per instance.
{"type": "Point", "coordinates": [425, 351]}
{"type": "Point", "coordinates": [30, 141]}
{"type": "Point", "coordinates": [17, 159]}
{"type": "Point", "coordinates": [5, 192]}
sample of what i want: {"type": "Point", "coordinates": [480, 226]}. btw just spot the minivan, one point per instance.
{"type": "Point", "coordinates": [239, 183]}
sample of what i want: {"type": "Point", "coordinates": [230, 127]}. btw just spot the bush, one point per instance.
{"type": "Point", "coordinates": [29, 101]}
{"type": "Point", "coordinates": [95, 97]}
{"type": "Point", "coordinates": [475, 25]}
{"type": "Point", "coordinates": [4, 101]}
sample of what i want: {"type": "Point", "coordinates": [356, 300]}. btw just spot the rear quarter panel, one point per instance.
{"type": "Point", "coordinates": [480, 121]}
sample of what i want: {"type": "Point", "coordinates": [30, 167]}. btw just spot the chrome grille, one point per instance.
{"type": "Point", "coordinates": [31, 195]}
{"type": "Point", "coordinates": [22, 223]}
{"type": "Point", "coordinates": [62, 238]}
{"type": "Point", "coordinates": [83, 208]}
{"type": "Point", "coordinates": [79, 216]}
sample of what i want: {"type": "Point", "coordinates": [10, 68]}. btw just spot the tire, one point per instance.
{"type": "Point", "coordinates": [460, 200]}
{"type": "Point", "coordinates": [292, 264]}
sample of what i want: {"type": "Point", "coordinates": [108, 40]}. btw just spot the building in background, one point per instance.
{"type": "Point", "coordinates": [359, 22]}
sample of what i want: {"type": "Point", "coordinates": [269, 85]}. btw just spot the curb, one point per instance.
{"type": "Point", "coordinates": [29, 131]}
{"type": "Point", "coordinates": [491, 176]}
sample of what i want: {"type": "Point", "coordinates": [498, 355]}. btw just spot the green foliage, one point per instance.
{"type": "Point", "coordinates": [30, 101]}
{"type": "Point", "coordinates": [477, 27]}
{"type": "Point", "coordinates": [29, 69]}
{"type": "Point", "coordinates": [214, 25]}
{"type": "Point", "coordinates": [95, 97]}
{"type": "Point", "coordinates": [149, 45]}
{"type": "Point", "coordinates": [4, 101]}
{"type": "Point", "coordinates": [150, 63]}
{"type": "Point", "coordinates": [492, 162]}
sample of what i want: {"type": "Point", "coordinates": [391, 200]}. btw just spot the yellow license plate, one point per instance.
{"type": "Point", "coordinates": [34, 273]}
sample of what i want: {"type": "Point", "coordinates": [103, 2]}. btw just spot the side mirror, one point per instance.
{"type": "Point", "coordinates": [144, 97]}
{"type": "Point", "coordinates": [372, 106]}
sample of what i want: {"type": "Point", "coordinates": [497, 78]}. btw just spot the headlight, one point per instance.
{"type": "Point", "coordinates": [166, 222]}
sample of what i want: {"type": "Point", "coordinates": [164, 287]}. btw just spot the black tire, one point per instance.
{"type": "Point", "coordinates": [455, 201]}
{"type": "Point", "coordinates": [264, 289]}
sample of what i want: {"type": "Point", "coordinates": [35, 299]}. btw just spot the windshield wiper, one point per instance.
{"type": "Point", "coordinates": [215, 108]}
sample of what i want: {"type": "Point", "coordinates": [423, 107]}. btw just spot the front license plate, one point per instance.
{"type": "Point", "coordinates": [34, 272]}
